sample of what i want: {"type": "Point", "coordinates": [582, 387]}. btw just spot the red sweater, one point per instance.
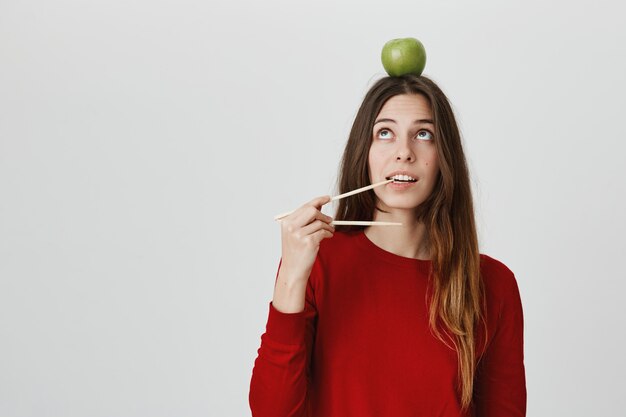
{"type": "Point", "coordinates": [362, 346]}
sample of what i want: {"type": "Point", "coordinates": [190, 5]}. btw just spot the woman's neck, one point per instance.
{"type": "Point", "coordinates": [409, 240]}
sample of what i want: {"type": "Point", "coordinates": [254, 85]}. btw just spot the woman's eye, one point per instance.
{"type": "Point", "coordinates": [384, 134]}
{"type": "Point", "coordinates": [422, 134]}
{"type": "Point", "coordinates": [428, 136]}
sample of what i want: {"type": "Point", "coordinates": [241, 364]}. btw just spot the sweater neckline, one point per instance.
{"type": "Point", "coordinates": [370, 247]}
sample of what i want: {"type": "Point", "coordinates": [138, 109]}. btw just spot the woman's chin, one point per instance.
{"type": "Point", "coordinates": [401, 203]}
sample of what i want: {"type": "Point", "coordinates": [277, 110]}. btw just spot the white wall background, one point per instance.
{"type": "Point", "coordinates": [146, 145]}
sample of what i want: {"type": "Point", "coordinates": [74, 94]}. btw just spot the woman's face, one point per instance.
{"type": "Point", "coordinates": [403, 140]}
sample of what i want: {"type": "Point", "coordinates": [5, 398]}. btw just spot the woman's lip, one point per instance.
{"type": "Point", "coordinates": [410, 174]}
{"type": "Point", "coordinates": [400, 185]}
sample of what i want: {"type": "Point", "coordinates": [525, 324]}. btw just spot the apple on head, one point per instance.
{"type": "Point", "coordinates": [403, 56]}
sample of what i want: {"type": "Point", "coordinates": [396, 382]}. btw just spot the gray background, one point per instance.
{"type": "Point", "coordinates": [145, 147]}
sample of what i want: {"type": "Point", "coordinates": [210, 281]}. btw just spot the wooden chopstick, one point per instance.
{"type": "Point", "coordinates": [359, 190]}
{"type": "Point", "coordinates": [340, 196]}
{"type": "Point", "coordinates": [364, 223]}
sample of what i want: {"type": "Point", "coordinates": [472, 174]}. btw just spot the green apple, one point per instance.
{"type": "Point", "coordinates": [403, 56]}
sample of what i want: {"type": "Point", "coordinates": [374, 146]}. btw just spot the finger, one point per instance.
{"type": "Point", "coordinates": [310, 211]}
{"type": "Point", "coordinates": [319, 201]}
{"type": "Point", "coordinates": [321, 234]}
{"type": "Point", "coordinates": [316, 226]}
{"type": "Point", "coordinates": [310, 214]}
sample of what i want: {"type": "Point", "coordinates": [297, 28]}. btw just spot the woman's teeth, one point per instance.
{"type": "Point", "coordinates": [402, 178]}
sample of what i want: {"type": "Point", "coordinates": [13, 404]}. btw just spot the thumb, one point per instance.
{"type": "Point", "coordinates": [320, 201]}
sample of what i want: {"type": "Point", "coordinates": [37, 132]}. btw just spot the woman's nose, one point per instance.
{"type": "Point", "coordinates": [402, 156]}
{"type": "Point", "coordinates": [404, 152]}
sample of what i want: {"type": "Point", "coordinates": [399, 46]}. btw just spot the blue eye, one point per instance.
{"type": "Point", "coordinates": [384, 130]}
{"type": "Point", "coordinates": [425, 131]}
{"type": "Point", "coordinates": [386, 134]}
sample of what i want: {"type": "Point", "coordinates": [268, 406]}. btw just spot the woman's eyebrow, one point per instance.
{"type": "Point", "coordinates": [423, 121]}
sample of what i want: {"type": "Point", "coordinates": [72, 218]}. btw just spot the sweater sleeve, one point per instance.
{"type": "Point", "coordinates": [280, 377]}
{"type": "Point", "coordinates": [500, 384]}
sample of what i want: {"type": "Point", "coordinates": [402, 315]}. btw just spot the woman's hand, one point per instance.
{"type": "Point", "coordinates": [301, 234]}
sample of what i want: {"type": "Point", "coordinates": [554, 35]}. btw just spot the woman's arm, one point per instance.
{"type": "Point", "coordinates": [500, 383]}
{"type": "Point", "coordinates": [280, 376]}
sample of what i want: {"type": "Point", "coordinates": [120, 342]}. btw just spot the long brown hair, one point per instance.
{"type": "Point", "coordinates": [456, 299]}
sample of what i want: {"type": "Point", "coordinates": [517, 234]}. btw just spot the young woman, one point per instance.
{"type": "Point", "coordinates": [395, 321]}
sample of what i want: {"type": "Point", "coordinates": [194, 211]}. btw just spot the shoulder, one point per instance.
{"type": "Point", "coordinates": [495, 268]}
{"type": "Point", "coordinates": [500, 282]}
